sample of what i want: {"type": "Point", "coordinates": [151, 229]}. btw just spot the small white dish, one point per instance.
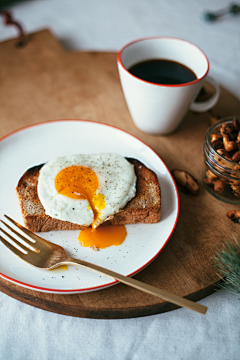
{"type": "Point", "coordinates": [39, 143]}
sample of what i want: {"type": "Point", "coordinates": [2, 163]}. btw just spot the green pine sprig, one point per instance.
{"type": "Point", "coordinates": [227, 264]}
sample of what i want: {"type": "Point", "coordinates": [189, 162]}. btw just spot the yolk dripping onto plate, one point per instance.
{"type": "Point", "coordinates": [103, 236]}
{"type": "Point", "coordinates": [80, 182]}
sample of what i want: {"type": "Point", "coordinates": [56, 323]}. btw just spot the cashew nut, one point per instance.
{"type": "Point", "coordinates": [215, 137]}
{"type": "Point", "coordinates": [236, 157]}
{"type": "Point", "coordinates": [211, 178]}
{"type": "Point", "coordinates": [228, 144]}
{"type": "Point", "coordinates": [226, 129]}
{"type": "Point", "coordinates": [218, 186]}
{"type": "Point", "coordinates": [234, 215]}
{"type": "Point", "coordinates": [186, 181]}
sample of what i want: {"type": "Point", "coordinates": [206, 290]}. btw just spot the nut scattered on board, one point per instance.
{"type": "Point", "coordinates": [234, 215]}
{"type": "Point", "coordinates": [186, 181]}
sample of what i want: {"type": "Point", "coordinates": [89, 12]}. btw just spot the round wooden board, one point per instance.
{"type": "Point", "coordinates": [55, 84]}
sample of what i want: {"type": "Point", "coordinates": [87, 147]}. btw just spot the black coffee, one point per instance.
{"type": "Point", "coordinates": [166, 72]}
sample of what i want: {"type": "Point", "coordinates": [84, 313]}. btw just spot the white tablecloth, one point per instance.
{"type": "Point", "coordinates": [30, 333]}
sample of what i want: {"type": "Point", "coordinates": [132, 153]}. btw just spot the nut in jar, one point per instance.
{"type": "Point", "coordinates": [221, 152]}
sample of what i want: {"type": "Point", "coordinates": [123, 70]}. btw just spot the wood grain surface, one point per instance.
{"type": "Point", "coordinates": [41, 82]}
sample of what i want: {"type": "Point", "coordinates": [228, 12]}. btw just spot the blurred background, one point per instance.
{"type": "Point", "coordinates": [106, 25]}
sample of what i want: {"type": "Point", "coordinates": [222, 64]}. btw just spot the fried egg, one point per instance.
{"type": "Point", "coordinates": [86, 189]}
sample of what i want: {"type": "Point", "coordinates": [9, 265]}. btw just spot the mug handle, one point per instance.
{"type": "Point", "coordinates": [210, 103]}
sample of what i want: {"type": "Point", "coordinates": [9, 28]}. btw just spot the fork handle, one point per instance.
{"type": "Point", "coordinates": [175, 299]}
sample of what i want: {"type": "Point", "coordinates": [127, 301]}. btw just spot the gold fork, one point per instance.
{"type": "Point", "coordinates": [46, 255]}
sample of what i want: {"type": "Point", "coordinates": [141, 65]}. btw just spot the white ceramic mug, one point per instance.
{"type": "Point", "coordinates": [159, 109]}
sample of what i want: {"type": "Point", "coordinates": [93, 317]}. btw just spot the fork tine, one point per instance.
{"type": "Point", "coordinates": [28, 232]}
{"type": "Point", "coordinates": [12, 248]}
{"type": "Point", "coordinates": [28, 241]}
{"type": "Point", "coordinates": [29, 258]}
{"type": "Point", "coordinates": [22, 246]}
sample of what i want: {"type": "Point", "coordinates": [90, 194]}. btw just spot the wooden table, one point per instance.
{"type": "Point", "coordinates": [41, 82]}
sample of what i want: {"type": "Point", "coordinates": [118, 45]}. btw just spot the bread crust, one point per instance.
{"type": "Point", "coordinates": [145, 207]}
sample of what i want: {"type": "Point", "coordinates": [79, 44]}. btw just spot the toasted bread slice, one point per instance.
{"type": "Point", "coordinates": [145, 207]}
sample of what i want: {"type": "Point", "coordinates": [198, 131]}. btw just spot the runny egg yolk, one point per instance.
{"type": "Point", "coordinates": [103, 236]}
{"type": "Point", "coordinates": [80, 182]}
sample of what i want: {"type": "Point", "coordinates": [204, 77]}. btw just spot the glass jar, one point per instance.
{"type": "Point", "coordinates": [221, 175]}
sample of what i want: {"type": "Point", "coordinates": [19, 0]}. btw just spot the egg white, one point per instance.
{"type": "Point", "coordinates": [117, 182]}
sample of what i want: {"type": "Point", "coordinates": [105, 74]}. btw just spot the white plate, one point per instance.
{"type": "Point", "coordinates": [39, 143]}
